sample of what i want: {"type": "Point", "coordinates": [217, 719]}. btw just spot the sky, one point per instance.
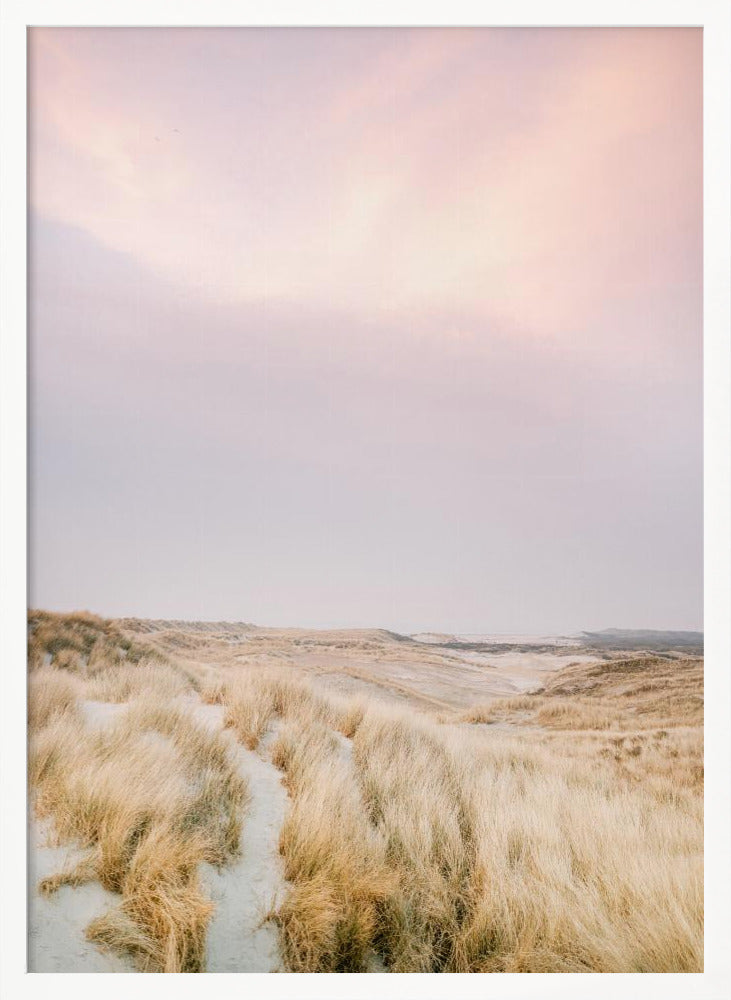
{"type": "Point", "coordinates": [367, 327]}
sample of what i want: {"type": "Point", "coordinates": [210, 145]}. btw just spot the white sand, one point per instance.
{"type": "Point", "coordinates": [56, 940]}
{"type": "Point", "coordinates": [239, 937]}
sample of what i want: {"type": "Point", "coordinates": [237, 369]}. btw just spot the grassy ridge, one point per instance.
{"type": "Point", "coordinates": [440, 847]}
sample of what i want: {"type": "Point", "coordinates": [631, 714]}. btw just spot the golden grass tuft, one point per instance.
{"type": "Point", "coordinates": [82, 643]}
{"type": "Point", "coordinates": [51, 692]}
{"type": "Point", "coordinates": [350, 714]}
{"type": "Point", "coordinates": [577, 715]}
{"type": "Point", "coordinates": [145, 679]}
{"type": "Point", "coordinates": [253, 697]}
{"type": "Point", "coordinates": [163, 915]}
{"type": "Point", "coordinates": [334, 858]}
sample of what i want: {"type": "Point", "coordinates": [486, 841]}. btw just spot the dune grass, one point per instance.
{"type": "Point", "coordinates": [439, 847]}
{"type": "Point", "coordinates": [512, 858]}
{"type": "Point", "coordinates": [145, 679]}
{"type": "Point", "coordinates": [569, 841]}
{"type": "Point", "coordinates": [626, 694]}
{"type": "Point", "coordinates": [51, 693]}
{"type": "Point", "coordinates": [334, 859]}
{"type": "Point", "coordinates": [252, 697]}
{"type": "Point", "coordinates": [150, 798]}
{"type": "Point", "coordinates": [82, 643]}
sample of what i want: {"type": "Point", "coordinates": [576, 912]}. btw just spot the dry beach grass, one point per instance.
{"type": "Point", "coordinates": [554, 831]}
{"type": "Point", "coordinates": [149, 797]}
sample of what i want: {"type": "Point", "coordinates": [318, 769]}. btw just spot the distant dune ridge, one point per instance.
{"type": "Point", "coordinates": [618, 638]}
{"type": "Point", "coordinates": [242, 798]}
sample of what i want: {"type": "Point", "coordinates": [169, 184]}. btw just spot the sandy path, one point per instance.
{"type": "Point", "coordinates": [239, 938]}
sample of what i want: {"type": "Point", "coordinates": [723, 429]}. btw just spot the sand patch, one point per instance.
{"type": "Point", "coordinates": [240, 938]}
{"type": "Point", "coordinates": [56, 924]}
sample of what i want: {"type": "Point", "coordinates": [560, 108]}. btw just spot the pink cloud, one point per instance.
{"type": "Point", "coordinates": [525, 178]}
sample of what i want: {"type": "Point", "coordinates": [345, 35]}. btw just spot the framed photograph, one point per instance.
{"type": "Point", "coordinates": [366, 500]}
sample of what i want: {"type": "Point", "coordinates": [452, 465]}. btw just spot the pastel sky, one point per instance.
{"type": "Point", "coordinates": [391, 327]}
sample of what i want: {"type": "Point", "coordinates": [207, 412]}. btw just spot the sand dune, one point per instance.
{"type": "Point", "coordinates": [233, 798]}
